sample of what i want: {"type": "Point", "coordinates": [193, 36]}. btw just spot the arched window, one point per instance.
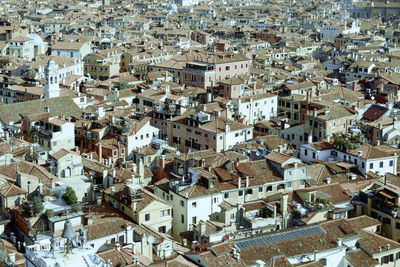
{"type": "Point", "coordinates": [67, 172]}
{"type": "Point", "coordinates": [51, 79]}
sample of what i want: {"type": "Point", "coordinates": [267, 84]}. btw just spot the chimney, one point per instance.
{"type": "Point", "coordinates": [310, 138]}
{"type": "Point", "coordinates": [328, 180]}
{"type": "Point", "coordinates": [112, 190]}
{"type": "Point", "coordinates": [284, 205]}
{"type": "Point", "coordinates": [100, 153]}
{"type": "Point", "coordinates": [339, 242]}
{"type": "Point", "coordinates": [162, 161]}
{"type": "Point", "coordinates": [201, 228]}
{"type": "Point", "coordinates": [239, 182]}
{"type": "Point", "coordinates": [360, 153]}
{"type": "Point", "coordinates": [328, 138]}
{"type": "Point", "coordinates": [247, 181]}
{"type": "Point", "coordinates": [141, 168]}
{"type": "Point", "coordinates": [134, 205]}
{"type": "Point", "coordinates": [388, 247]}
{"type": "Point", "coordinates": [118, 246]}
{"type": "Point", "coordinates": [227, 128]}
{"type": "Point", "coordinates": [134, 168]}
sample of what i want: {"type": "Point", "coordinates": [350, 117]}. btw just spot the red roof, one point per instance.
{"type": "Point", "coordinates": [374, 113]}
{"type": "Point", "coordinates": [380, 99]}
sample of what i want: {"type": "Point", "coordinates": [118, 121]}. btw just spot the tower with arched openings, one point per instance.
{"type": "Point", "coordinates": [51, 85]}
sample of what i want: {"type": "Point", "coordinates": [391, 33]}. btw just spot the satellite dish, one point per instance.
{"type": "Point", "coordinates": [150, 239]}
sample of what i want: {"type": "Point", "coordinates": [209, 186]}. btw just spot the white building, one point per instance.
{"type": "Point", "coordinates": [256, 108]}
{"type": "Point", "coordinates": [140, 134]}
{"type": "Point", "coordinates": [53, 134]}
{"type": "Point", "coordinates": [366, 158]}
{"type": "Point", "coordinates": [328, 32]}
{"type": "Point", "coordinates": [74, 50]}
{"type": "Point", "coordinates": [187, 2]}
{"type": "Point", "coordinates": [68, 166]}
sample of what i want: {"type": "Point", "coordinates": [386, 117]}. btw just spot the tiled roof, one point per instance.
{"type": "Point", "coordinates": [106, 222]}
{"type": "Point", "coordinates": [375, 112]}
{"type": "Point", "coordinates": [374, 244]}
{"type": "Point", "coordinates": [359, 258]}
{"type": "Point", "coordinates": [8, 189]}
{"type": "Point", "coordinates": [278, 157]}
{"type": "Point", "coordinates": [57, 106]}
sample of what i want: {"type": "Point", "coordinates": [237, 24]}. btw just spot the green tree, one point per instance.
{"type": "Point", "coordinates": [37, 205]}
{"type": "Point", "coordinates": [50, 213]}
{"type": "Point", "coordinates": [70, 196]}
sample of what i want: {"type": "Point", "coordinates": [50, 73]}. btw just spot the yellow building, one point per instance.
{"type": "Point", "coordinates": [102, 66]}
{"type": "Point", "coordinates": [382, 202]}
{"type": "Point", "coordinates": [21, 47]}
{"type": "Point", "coordinates": [141, 205]}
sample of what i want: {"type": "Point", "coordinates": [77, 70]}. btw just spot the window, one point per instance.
{"type": "Point", "coordinates": [371, 165]}
{"type": "Point", "coordinates": [194, 204]}
{"type": "Point", "coordinates": [313, 155]}
{"type": "Point", "coordinates": [147, 217]}
{"type": "Point", "coordinates": [227, 68]}
{"type": "Point", "coordinates": [226, 195]}
{"type": "Point", "coordinates": [391, 163]}
{"type": "Point", "coordinates": [164, 213]}
{"type": "Point", "coordinates": [182, 218]}
{"type": "Point", "coordinates": [381, 164]}
{"type": "Point", "coordinates": [162, 229]}
{"type": "Point", "coordinates": [260, 189]}
{"type": "Point", "coordinates": [182, 203]}
{"type": "Point", "coordinates": [305, 152]}
{"type": "Point", "coordinates": [240, 192]}
{"type": "Point", "coordinates": [269, 188]}
{"type": "Point", "coordinates": [249, 191]}
{"type": "Point", "coordinates": [363, 165]}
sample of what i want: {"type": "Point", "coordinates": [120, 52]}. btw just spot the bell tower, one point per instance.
{"type": "Point", "coordinates": [51, 86]}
